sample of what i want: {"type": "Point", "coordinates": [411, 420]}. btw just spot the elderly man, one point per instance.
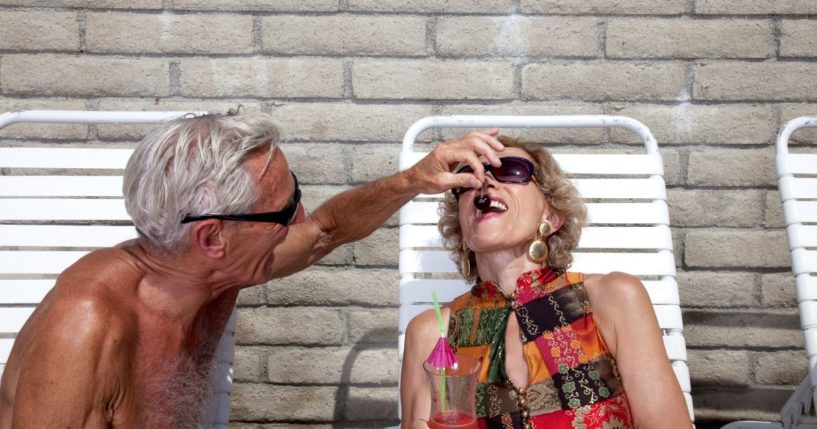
{"type": "Point", "coordinates": [126, 337]}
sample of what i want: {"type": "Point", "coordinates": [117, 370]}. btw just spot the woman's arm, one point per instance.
{"type": "Point", "coordinates": [422, 335]}
{"type": "Point", "coordinates": [627, 321]}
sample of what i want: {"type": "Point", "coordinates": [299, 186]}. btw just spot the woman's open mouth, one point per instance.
{"type": "Point", "coordinates": [496, 206]}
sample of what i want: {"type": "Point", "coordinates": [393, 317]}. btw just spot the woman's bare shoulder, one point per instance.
{"type": "Point", "coordinates": [425, 324]}
{"type": "Point", "coordinates": [615, 288]}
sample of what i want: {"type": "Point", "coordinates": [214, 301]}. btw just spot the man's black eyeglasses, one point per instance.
{"type": "Point", "coordinates": [284, 217]}
{"type": "Point", "coordinates": [514, 169]}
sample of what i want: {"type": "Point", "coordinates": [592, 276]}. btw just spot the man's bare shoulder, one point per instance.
{"type": "Point", "coordinates": [83, 315]}
{"type": "Point", "coordinates": [91, 302]}
{"type": "Point", "coordinates": [117, 267]}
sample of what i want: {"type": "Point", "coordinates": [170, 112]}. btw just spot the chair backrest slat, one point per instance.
{"type": "Point", "coordinates": [795, 211]}
{"type": "Point", "coordinates": [61, 186]}
{"type": "Point", "coordinates": [802, 235]}
{"type": "Point", "coordinates": [46, 262]}
{"type": "Point", "coordinates": [796, 163]}
{"type": "Point", "coordinates": [797, 188]}
{"type": "Point", "coordinates": [62, 209]}
{"type": "Point", "coordinates": [13, 319]}
{"type": "Point", "coordinates": [68, 158]}
{"type": "Point", "coordinates": [19, 292]}
{"type": "Point", "coordinates": [64, 235]}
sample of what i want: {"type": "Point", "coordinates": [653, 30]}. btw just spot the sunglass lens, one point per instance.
{"type": "Point", "coordinates": [512, 171]}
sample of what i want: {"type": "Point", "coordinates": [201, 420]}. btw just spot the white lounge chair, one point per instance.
{"type": "Point", "coordinates": [56, 205]}
{"type": "Point", "coordinates": [628, 224]}
{"type": "Point", "coordinates": [797, 182]}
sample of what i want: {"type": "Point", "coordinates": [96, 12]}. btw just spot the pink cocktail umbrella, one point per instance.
{"type": "Point", "coordinates": [442, 356]}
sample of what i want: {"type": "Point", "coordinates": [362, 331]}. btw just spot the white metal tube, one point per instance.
{"type": "Point", "coordinates": [563, 121]}
{"type": "Point", "coordinates": [782, 145]}
{"type": "Point", "coordinates": [782, 152]}
{"type": "Point", "coordinates": [88, 117]}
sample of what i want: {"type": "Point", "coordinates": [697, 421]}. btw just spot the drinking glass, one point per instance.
{"type": "Point", "coordinates": [452, 394]}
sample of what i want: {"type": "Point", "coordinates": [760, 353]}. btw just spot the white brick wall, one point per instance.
{"type": "Point", "coordinates": [713, 79]}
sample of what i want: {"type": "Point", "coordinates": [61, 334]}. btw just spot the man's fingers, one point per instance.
{"type": "Point", "coordinates": [486, 145]}
{"type": "Point", "coordinates": [464, 180]}
{"type": "Point", "coordinates": [473, 149]}
{"type": "Point", "coordinates": [469, 157]}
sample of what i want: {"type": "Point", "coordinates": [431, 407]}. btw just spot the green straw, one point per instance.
{"type": "Point", "coordinates": [439, 312]}
{"type": "Point", "coordinates": [442, 331]}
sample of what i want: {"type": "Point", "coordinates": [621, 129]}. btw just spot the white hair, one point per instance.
{"type": "Point", "coordinates": [193, 166]}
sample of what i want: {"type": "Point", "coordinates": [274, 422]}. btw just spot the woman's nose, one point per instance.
{"type": "Point", "coordinates": [490, 181]}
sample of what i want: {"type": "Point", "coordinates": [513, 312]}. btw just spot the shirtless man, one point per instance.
{"type": "Point", "coordinates": [126, 337]}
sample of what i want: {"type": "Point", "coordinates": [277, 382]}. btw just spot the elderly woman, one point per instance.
{"type": "Point", "coordinates": [559, 349]}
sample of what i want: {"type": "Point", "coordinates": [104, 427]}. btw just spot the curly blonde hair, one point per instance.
{"type": "Point", "coordinates": [560, 194]}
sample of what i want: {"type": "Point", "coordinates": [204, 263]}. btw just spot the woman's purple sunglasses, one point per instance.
{"type": "Point", "coordinates": [514, 169]}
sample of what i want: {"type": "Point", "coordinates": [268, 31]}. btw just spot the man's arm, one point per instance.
{"type": "Point", "coordinates": [356, 213]}
{"type": "Point", "coordinates": [69, 368]}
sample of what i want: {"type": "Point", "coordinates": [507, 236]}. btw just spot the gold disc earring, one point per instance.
{"type": "Point", "coordinates": [465, 261]}
{"type": "Point", "coordinates": [538, 250]}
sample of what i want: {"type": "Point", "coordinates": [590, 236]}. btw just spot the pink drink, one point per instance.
{"type": "Point", "coordinates": [452, 420]}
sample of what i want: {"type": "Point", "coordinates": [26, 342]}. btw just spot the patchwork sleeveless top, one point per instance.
{"type": "Point", "coordinates": [573, 380]}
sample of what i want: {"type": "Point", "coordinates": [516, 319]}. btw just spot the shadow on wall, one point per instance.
{"type": "Point", "coordinates": [745, 356]}
{"type": "Point", "coordinates": [366, 404]}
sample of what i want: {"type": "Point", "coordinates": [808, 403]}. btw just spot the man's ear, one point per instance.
{"type": "Point", "coordinates": [208, 238]}
{"type": "Point", "coordinates": [555, 220]}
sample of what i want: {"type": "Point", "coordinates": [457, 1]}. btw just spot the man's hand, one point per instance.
{"type": "Point", "coordinates": [433, 172]}
{"type": "Point", "coordinates": [354, 214]}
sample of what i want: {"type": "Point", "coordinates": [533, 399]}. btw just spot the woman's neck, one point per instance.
{"type": "Point", "coordinates": [504, 267]}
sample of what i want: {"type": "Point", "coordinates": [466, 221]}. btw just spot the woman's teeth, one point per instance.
{"type": "Point", "coordinates": [494, 207]}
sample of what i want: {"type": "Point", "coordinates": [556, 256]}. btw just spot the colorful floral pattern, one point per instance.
{"type": "Point", "coordinates": [573, 379]}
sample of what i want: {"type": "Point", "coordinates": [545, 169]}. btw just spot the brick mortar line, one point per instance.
{"type": "Point", "coordinates": [348, 79]}
{"type": "Point", "coordinates": [83, 44]}
{"type": "Point", "coordinates": [392, 14]}
{"type": "Point", "coordinates": [689, 83]}
{"type": "Point", "coordinates": [730, 229]}
{"type": "Point", "coordinates": [169, 7]}
{"type": "Point", "coordinates": [174, 77]}
{"type": "Point", "coordinates": [757, 281]}
{"type": "Point", "coordinates": [759, 349]}
{"type": "Point", "coordinates": [715, 188]}
{"type": "Point", "coordinates": [731, 270]}
{"type": "Point", "coordinates": [257, 35]}
{"type": "Point", "coordinates": [741, 311]}
{"type": "Point", "coordinates": [431, 37]}
{"type": "Point", "coordinates": [529, 60]}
